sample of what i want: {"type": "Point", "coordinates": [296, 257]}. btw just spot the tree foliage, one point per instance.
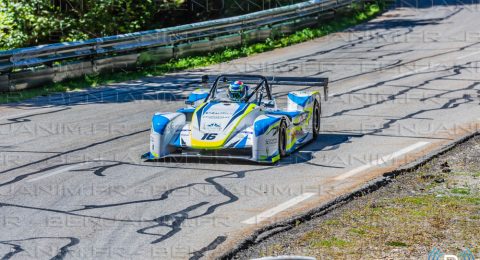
{"type": "Point", "coordinates": [33, 22]}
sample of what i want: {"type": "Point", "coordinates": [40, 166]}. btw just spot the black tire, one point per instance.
{"type": "Point", "coordinates": [316, 120]}
{"type": "Point", "coordinates": [282, 139]}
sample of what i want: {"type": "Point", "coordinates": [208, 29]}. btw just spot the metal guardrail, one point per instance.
{"type": "Point", "coordinates": [34, 66]}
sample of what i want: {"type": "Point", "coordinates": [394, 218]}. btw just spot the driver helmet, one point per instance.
{"type": "Point", "coordinates": [237, 91]}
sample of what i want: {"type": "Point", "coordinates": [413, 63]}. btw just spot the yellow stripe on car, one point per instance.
{"type": "Point", "coordinates": [213, 145]}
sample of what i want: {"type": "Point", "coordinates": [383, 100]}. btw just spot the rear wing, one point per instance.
{"type": "Point", "coordinates": [272, 80]}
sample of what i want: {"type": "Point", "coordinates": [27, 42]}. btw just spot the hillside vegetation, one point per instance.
{"type": "Point", "coordinates": [33, 22]}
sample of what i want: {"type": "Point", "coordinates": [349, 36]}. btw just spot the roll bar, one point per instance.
{"type": "Point", "coordinates": [269, 81]}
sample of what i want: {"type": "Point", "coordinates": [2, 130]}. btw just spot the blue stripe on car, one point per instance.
{"type": "Point", "coordinates": [261, 126]}
{"type": "Point", "coordinates": [195, 97]}
{"type": "Point", "coordinates": [202, 111]}
{"type": "Point", "coordinates": [208, 106]}
{"type": "Point", "coordinates": [290, 114]}
{"type": "Point", "coordinates": [242, 143]}
{"type": "Point", "coordinates": [298, 143]}
{"type": "Point", "coordinates": [178, 141]}
{"type": "Point", "coordinates": [301, 101]}
{"type": "Point", "coordinates": [186, 110]}
{"type": "Point", "coordinates": [240, 110]}
{"type": "Point", "coordinates": [159, 123]}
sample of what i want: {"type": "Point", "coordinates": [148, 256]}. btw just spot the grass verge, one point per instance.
{"type": "Point", "coordinates": [355, 15]}
{"type": "Point", "coordinates": [437, 206]}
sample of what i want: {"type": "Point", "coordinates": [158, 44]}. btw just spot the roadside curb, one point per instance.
{"type": "Point", "coordinates": [371, 186]}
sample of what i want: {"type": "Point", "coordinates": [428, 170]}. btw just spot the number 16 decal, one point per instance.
{"type": "Point", "coordinates": [209, 136]}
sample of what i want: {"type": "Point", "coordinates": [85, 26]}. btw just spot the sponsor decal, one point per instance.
{"type": "Point", "coordinates": [301, 119]}
{"type": "Point", "coordinates": [270, 141]}
{"type": "Point", "coordinates": [213, 127]}
{"type": "Point", "coordinates": [216, 117]}
{"type": "Point", "coordinates": [298, 132]}
{"type": "Point", "coordinates": [217, 113]}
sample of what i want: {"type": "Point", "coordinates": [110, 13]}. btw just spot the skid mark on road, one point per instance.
{"type": "Point", "coordinates": [17, 248]}
{"type": "Point", "coordinates": [174, 221]}
{"type": "Point", "coordinates": [50, 174]}
{"type": "Point", "coordinates": [72, 151]}
{"type": "Point", "coordinates": [24, 117]}
{"type": "Point", "coordinates": [455, 70]}
{"type": "Point", "coordinates": [275, 210]}
{"type": "Point", "coordinates": [119, 94]}
{"type": "Point", "coordinates": [381, 161]}
{"type": "Point", "coordinates": [165, 195]}
{"type": "Point", "coordinates": [396, 77]}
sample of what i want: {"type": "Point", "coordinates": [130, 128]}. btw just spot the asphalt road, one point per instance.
{"type": "Point", "coordinates": [72, 184]}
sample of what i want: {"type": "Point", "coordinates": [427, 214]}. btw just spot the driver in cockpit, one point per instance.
{"type": "Point", "coordinates": [237, 91]}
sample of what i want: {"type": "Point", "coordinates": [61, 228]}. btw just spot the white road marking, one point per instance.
{"type": "Point", "coordinates": [468, 55]}
{"type": "Point", "coordinates": [381, 161]}
{"type": "Point", "coordinates": [62, 170]}
{"type": "Point", "coordinates": [273, 211]}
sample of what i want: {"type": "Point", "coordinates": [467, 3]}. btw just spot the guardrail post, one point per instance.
{"type": "Point", "coordinates": [92, 57]}
{"type": "Point", "coordinates": [11, 85]}
{"type": "Point", "coordinates": [174, 46]}
{"type": "Point", "coordinates": [295, 20]}
{"type": "Point", "coordinates": [5, 85]}
{"type": "Point", "coordinates": [242, 33]}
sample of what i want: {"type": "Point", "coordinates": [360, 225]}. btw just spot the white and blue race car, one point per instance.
{"type": "Point", "coordinates": [250, 127]}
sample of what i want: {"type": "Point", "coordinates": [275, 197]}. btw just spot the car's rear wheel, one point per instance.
{"type": "Point", "coordinates": [316, 120]}
{"type": "Point", "coordinates": [282, 139]}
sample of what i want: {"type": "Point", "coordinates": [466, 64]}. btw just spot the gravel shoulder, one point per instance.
{"type": "Point", "coordinates": [435, 206]}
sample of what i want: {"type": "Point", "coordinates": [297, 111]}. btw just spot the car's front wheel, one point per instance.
{"type": "Point", "coordinates": [282, 139]}
{"type": "Point", "coordinates": [316, 120]}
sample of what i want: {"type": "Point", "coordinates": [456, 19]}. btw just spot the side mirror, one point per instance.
{"type": "Point", "coordinates": [189, 102]}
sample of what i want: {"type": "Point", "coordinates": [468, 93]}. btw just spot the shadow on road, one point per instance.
{"type": "Point", "coordinates": [325, 142]}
